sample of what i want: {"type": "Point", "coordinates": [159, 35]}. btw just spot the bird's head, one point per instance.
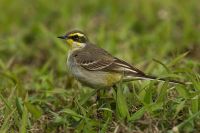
{"type": "Point", "coordinates": [75, 39]}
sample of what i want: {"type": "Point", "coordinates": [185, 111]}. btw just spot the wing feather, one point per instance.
{"type": "Point", "coordinates": [93, 58]}
{"type": "Point", "coordinates": [114, 65]}
{"type": "Point", "coordinates": [96, 65]}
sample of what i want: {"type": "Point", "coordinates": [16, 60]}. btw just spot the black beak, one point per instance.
{"type": "Point", "coordinates": [62, 37]}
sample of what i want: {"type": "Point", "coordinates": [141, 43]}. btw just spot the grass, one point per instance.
{"type": "Point", "coordinates": [37, 93]}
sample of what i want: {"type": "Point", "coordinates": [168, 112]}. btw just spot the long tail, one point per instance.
{"type": "Point", "coordinates": [149, 77]}
{"type": "Point", "coordinates": [131, 73]}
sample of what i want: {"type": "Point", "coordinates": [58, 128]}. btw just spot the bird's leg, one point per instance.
{"type": "Point", "coordinates": [98, 102]}
{"type": "Point", "coordinates": [114, 104]}
{"type": "Point", "coordinates": [115, 88]}
{"type": "Point", "coordinates": [130, 87]}
{"type": "Point", "coordinates": [98, 95]}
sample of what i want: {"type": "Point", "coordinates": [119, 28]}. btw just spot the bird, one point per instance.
{"type": "Point", "coordinates": [96, 68]}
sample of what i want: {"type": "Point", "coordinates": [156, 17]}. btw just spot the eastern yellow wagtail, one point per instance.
{"type": "Point", "coordinates": [95, 67]}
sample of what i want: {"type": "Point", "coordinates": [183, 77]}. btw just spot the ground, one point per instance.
{"type": "Point", "coordinates": [37, 93]}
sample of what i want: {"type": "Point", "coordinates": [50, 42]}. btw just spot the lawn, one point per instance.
{"type": "Point", "coordinates": [38, 94]}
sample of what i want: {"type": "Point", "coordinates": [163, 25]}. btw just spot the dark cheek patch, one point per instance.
{"type": "Point", "coordinates": [80, 39]}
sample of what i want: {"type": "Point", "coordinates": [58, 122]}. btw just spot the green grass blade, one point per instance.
{"type": "Point", "coordinates": [24, 121]}
{"type": "Point", "coordinates": [6, 124]}
{"type": "Point", "coordinates": [121, 104]}
{"type": "Point", "coordinates": [105, 126]}
{"type": "Point", "coordinates": [137, 115]}
{"type": "Point", "coordinates": [34, 110]}
{"type": "Point", "coordinates": [177, 59]}
{"type": "Point", "coordinates": [72, 113]}
{"type": "Point", "coordinates": [191, 118]}
{"type": "Point", "coordinates": [5, 102]}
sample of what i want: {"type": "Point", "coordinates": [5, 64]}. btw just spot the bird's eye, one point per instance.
{"type": "Point", "coordinates": [76, 37]}
{"type": "Point", "coordinates": [81, 39]}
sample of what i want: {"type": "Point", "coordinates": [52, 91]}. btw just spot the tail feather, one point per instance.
{"type": "Point", "coordinates": [131, 73]}
{"type": "Point", "coordinates": [163, 79]}
{"type": "Point", "coordinates": [149, 77]}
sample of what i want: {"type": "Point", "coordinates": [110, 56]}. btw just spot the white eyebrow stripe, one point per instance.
{"type": "Point", "coordinates": [79, 34]}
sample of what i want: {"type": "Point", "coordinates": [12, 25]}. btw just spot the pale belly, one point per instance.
{"type": "Point", "coordinates": [94, 79]}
